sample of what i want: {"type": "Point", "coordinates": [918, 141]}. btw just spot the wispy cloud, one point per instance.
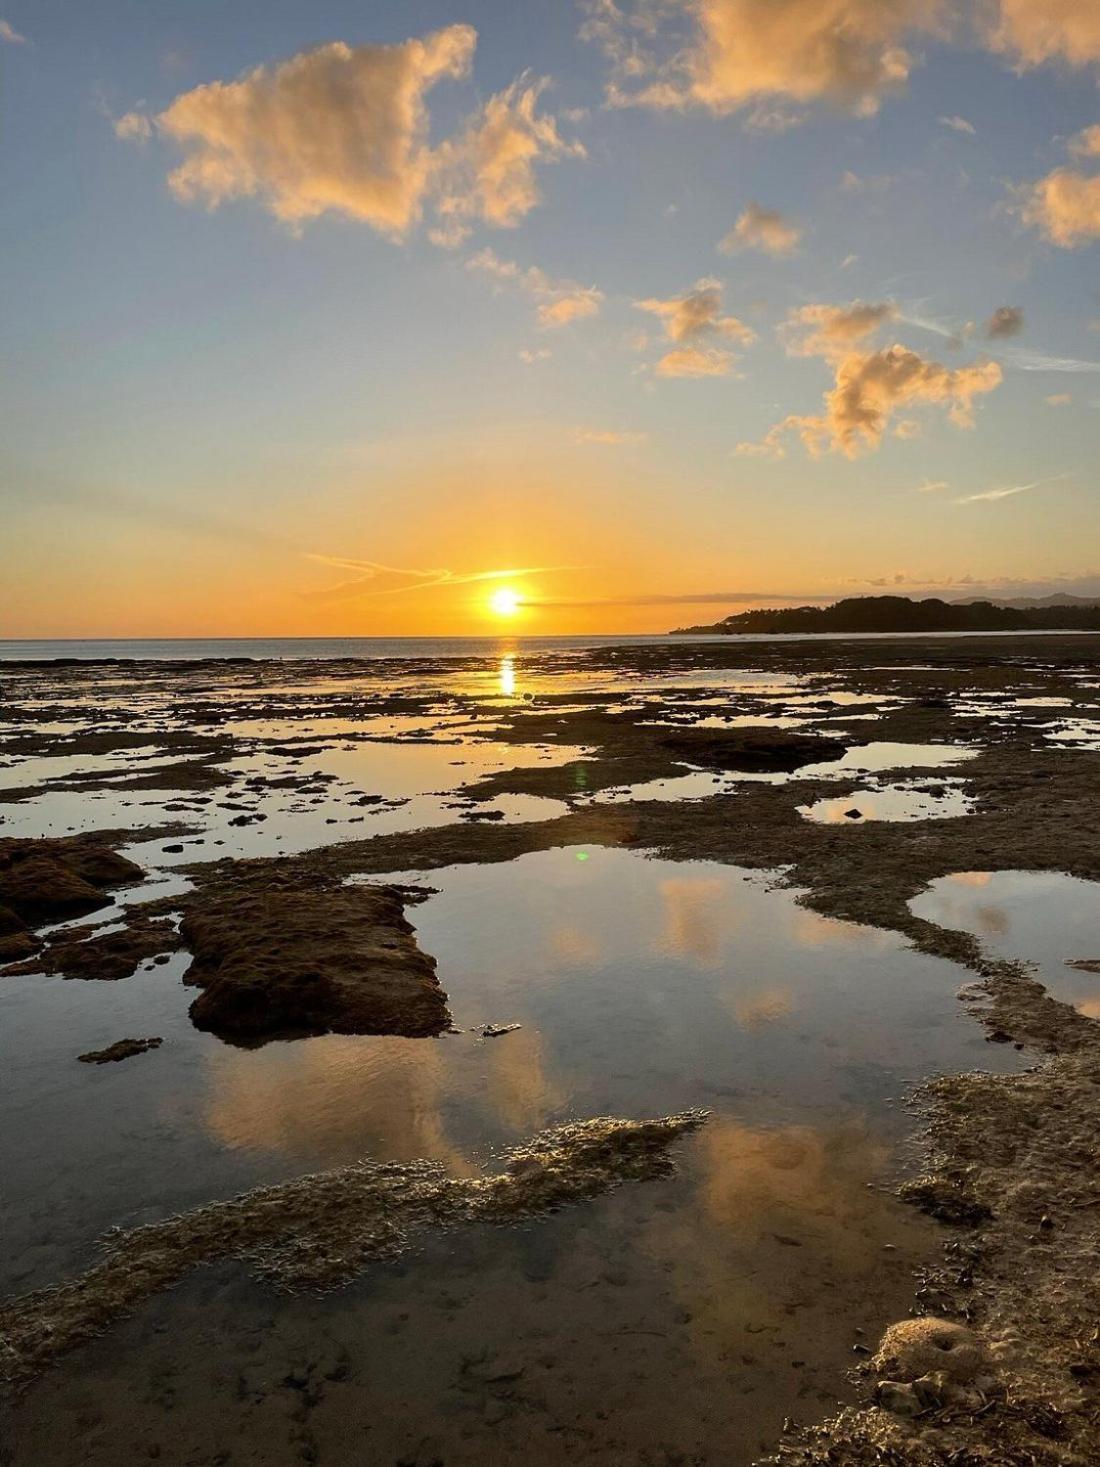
{"type": "Point", "coordinates": [676, 598]}
{"type": "Point", "coordinates": [1007, 491]}
{"type": "Point", "coordinates": [372, 578]}
{"type": "Point", "coordinates": [608, 437]}
{"type": "Point", "coordinates": [9, 34]}
{"type": "Point", "coordinates": [958, 124]}
{"type": "Point", "coordinates": [932, 486]}
{"type": "Point", "coordinates": [1024, 359]}
{"type": "Point", "coordinates": [558, 302]}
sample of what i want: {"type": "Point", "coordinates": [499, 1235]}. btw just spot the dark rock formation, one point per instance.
{"type": "Point", "coordinates": [283, 954]}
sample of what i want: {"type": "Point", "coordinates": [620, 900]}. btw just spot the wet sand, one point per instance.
{"type": "Point", "coordinates": [856, 776]}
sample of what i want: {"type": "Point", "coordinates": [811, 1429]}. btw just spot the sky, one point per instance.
{"type": "Point", "coordinates": [462, 316]}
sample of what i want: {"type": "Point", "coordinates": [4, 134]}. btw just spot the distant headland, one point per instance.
{"type": "Point", "coordinates": [902, 614]}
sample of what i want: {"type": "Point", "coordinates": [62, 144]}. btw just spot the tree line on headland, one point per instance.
{"type": "Point", "coordinates": [901, 614]}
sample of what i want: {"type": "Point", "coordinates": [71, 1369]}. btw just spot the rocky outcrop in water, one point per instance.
{"type": "Point", "coordinates": [281, 954]}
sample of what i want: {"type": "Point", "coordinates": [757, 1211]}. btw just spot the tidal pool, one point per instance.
{"type": "Point", "coordinates": [947, 801]}
{"type": "Point", "coordinates": [735, 1289]}
{"type": "Point", "coordinates": [281, 801]}
{"type": "Point", "coordinates": [1042, 917]}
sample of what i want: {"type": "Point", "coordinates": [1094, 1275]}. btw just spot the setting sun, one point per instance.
{"type": "Point", "coordinates": [505, 602]}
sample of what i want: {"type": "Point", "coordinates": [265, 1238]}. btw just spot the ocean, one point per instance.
{"type": "Point", "coordinates": [174, 649]}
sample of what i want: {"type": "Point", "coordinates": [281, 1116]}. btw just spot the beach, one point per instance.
{"type": "Point", "coordinates": [582, 1051]}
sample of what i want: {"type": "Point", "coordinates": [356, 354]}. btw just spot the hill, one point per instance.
{"type": "Point", "coordinates": [901, 614]}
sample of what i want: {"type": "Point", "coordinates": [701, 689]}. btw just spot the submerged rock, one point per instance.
{"type": "Point", "coordinates": [106, 956]}
{"type": "Point", "coordinates": [120, 1050]}
{"type": "Point", "coordinates": [321, 1231]}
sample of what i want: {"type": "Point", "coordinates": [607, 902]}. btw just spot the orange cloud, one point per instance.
{"type": "Point", "coordinates": [826, 331]}
{"type": "Point", "coordinates": [1065, 206]}
{"type": "Point", "coordinates": [558, 301]}
{"type": "Point", "coordinates": [693, 361]}
{"type": "Point", "coordinates": [868, 389]}
{"type": "Point", "coordinates": [741, 52]}
{"type": "Point", "coordinates": [1087, 142]}
{"type": "Point", "coordinates": [492, 166]}
{"type": "Point", "coordinates": [1034, 31]}
{"type": "Point", "coordinates": [762, 229]}
{"type": "Point", "coordinates": [698, 314]}
{"type": "Point", "coordinates": [343, 129]}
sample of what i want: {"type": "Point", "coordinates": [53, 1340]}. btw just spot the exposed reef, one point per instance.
{"type": "Point", "coordinates": [321, 1231]}
{"type": "Point", "coordinates": [120, 1050]}
{"type": "Point", "coordinates": [281, 950]}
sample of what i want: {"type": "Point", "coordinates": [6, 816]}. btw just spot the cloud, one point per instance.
{"type": "Point", "coordinates": [529, 357]}
{"type": "Point", "coordinates": [831, 331]}
{"type": "Point", "coordinates": [1059, 399]}
{"type": "Point", "coordinates": [1064, 206]}
{"type": "Point", "coordinates": [134, 127]}
{"type": "Point", "coordinates": [958, 124]}
{"type": "Point", "coordinates": [697, 315]}
{"type": "Point", "coordinates": [737, 54]}
{"type": "Point", "coordinates": [991, 496]}
{"type": "Point", "coordinates": [686, 598]}
{"type": "Point", "coordinates": [932, 486]}
{"type": "Point", "coordinates": [558, 302]}
{"type": "Point", "coordinates": [345, 130]}
{"type": "Point", "coordinates": [1031, 32]}
{"type": "Point", "coordinates": [490, 169]}
{"type": "Point", "coordinates": [372, 578]}
{"type": "Point", "coordinates": [1024, 359]}
{"type": "Point", "coordinates": [1005, 321]}
{"type": "Point", "coordinates": [694, 361]}
{"type": "Point", "coordinates": [762, 229]}
{"type": "Point", "coordinates": [608, 437]}
{"type": "Point", "coordinates": [1086, 144]}
{"type": "Point", "coordinates": [768, 118]}
{"type": "Point", "coordinates": [9, 34]}
{"type": "Point", "coordinates": [869, 388]}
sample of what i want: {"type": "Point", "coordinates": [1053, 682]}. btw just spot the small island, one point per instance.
{"type": "Point", "coordinates": [902, 614]}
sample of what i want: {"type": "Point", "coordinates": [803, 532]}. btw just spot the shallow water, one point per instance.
{"type": "Point", "coordinates": [1043, 917]}
{"type": "Point", "coordinates": [642, 987]}
{"type": "Point", "coordinates": [409, 786]}
{"type": "Point", "coordinates": [695, 1311]}
{"type": "Point", "coordinates": [891, 802]}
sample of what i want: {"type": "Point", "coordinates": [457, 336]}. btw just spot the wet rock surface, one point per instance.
{"type": "Point", "coordinates": [49, 880]}
{"type": "Point", "coordinates": [120, 1050]}
{"type": "Point", "coordinates": [104, 956]}
{"type": "Point", "coordinates": [284, 953]}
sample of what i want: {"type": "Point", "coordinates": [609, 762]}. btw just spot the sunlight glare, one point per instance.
{"type": "Point", "coordinates": [505, 602]}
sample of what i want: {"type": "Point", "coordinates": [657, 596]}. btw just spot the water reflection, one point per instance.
{"type": "Point", "coordinates": [1042, 917]}
{"type": "Point", "coordinates": [948, 801]}
{"type": "Point", "coordinates": [697, 919]}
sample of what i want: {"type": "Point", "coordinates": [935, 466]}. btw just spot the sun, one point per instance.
{"type": "Point", "coordinates": [505, 602]}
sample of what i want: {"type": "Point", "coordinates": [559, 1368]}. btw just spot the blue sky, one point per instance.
{"type": "Point", "coordinates": [208, 406]}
